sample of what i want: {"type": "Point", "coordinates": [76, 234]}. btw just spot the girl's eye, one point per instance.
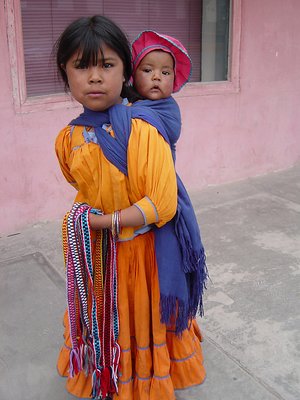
{"type": "Point", "coordinates": [166, 73]}
{"type": "Point", "coordinates": [78, 65]}
{"type": "Point", "coordinates": [107, 65]}
{"type": "Point", "coordinates": [147, 70]}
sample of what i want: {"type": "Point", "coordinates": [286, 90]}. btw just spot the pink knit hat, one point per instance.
{"type": "Point", "coordinates": [148, 41]}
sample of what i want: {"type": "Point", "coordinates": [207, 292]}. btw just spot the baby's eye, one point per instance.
{"type": "Point", "coordinates": [147, 70]}
{"type": "Point", "coordinates": [166, 73]}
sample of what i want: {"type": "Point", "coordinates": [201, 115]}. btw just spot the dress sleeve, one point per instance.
{"type": "Point", "coordinates": [151, 174]}
{"type": "Point", "coordinates": [63, 152]}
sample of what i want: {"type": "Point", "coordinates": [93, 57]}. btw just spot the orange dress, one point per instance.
{"type": "Point", "coordinates": [154, 361]}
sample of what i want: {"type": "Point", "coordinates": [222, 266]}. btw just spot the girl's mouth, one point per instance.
{"type": "Point", "coordinates": [95, 94]}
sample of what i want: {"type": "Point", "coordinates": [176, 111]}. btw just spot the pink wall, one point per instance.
{"type": "Point", "coordinates": [256, 130]}
{"type": "Point", "coordinates": [226, 136]}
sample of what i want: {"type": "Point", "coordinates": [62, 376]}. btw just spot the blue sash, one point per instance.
{"type": "Point", "coordinates": [179, 251]}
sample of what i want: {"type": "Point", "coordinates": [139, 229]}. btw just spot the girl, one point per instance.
{"type": "Point", "coordinates": [132, 193]}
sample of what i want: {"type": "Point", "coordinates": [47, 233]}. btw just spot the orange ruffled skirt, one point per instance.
{"type": "Point", "coordinates": [154, 361]}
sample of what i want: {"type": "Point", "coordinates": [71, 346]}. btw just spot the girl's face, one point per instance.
{"type": "Point", "coordinates": [154, 76]}
{"type": "Point", "coordinates": [96, 87]}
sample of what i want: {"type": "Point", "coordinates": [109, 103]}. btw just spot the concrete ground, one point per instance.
{"type": "Point", "coordinates": [251, 231]}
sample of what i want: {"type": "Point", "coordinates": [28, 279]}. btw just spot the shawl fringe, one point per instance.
{"type": "Point", "coordinates": [173, 311]}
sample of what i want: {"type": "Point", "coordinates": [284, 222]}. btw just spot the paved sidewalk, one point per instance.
{"type": "Point", "coordinates": [251, 231]}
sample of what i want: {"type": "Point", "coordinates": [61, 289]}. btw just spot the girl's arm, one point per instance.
{"type": "Point", "coordinates": [63, 151]}
{"type": "Point", "coordinates": [130, 216]}
{"type": "Point", "coordinates": [153, 180]}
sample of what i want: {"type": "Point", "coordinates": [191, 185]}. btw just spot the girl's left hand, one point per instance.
{"type": "Point", "coordinates": [98, 222]}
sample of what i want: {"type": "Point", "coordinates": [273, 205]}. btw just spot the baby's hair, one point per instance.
{"type": "Point", "coordinates": [88, 35]}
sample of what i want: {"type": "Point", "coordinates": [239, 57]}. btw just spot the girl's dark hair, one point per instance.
{"type": "Point", "coordinates": [88, 35]}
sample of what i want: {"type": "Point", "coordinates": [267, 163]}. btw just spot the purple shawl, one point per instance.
{"type": "Point", "coordinates": [179, 251]}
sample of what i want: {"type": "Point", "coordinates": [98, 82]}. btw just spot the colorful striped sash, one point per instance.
{"type": "Point", "coordinates": [91, 283]}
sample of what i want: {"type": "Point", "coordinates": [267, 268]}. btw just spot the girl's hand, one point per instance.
{"type": "Point", "coordinates": [130, 216]}
{"type": "Point", "coordinates": [99, 221]}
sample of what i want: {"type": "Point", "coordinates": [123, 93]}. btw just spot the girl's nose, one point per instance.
{"type": "Point", "coordinates": [95, 75]}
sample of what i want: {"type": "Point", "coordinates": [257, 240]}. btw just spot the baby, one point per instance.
{"type": "Point", "coordinates": [161, 65]}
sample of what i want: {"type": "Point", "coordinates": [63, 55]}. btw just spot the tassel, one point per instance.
{"type": "Point", "coordinates": [75, 365]}
{"type": "Point", "coordinates": [87, 359]}
{"type": "Point", "coordinates": [105, 382]}
{"type": "Point", "coordinates": [115, 366]}
{"type": "Point", "coordinates": [96, 379]}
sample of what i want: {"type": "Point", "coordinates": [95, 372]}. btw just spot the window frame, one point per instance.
{"type": "Point", "coordinates": [24, 104]}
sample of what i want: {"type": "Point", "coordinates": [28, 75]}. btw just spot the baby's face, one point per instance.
{"type": "Point", "coordinates": [154, 76]}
